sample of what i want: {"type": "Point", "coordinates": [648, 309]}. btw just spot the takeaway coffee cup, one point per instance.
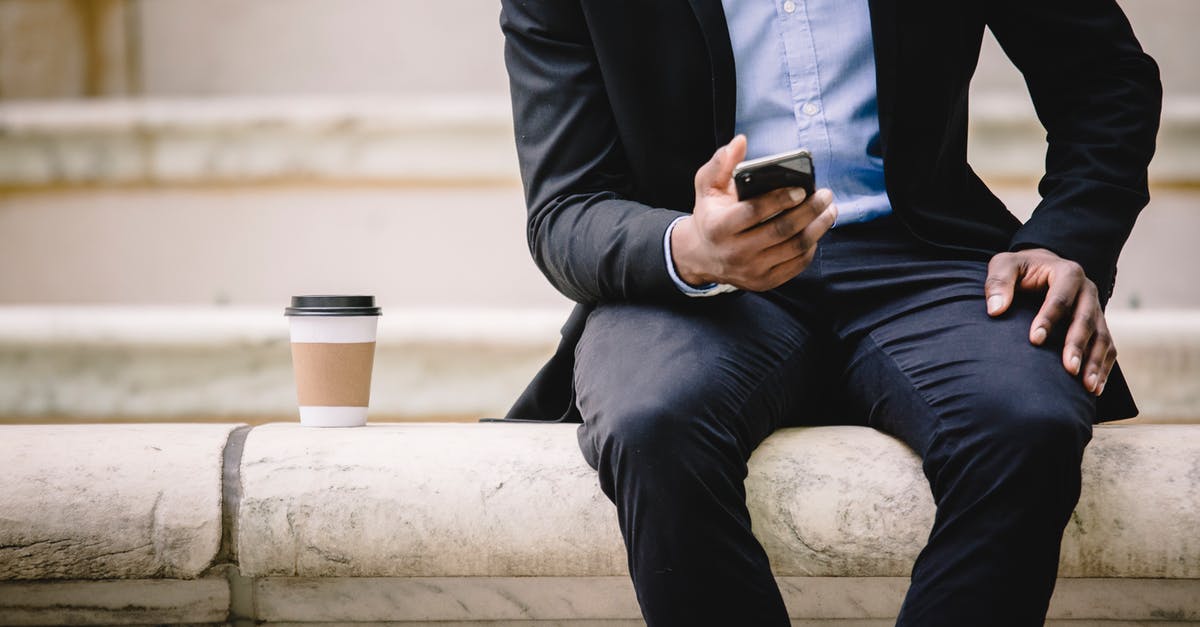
{"type": "Point", "coordinates": [333, 350]}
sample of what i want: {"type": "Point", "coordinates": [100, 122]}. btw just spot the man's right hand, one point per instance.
{"type": "Point", "coordinates": [756, 244]}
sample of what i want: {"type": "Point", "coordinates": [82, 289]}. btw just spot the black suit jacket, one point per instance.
{"type": "Point", "coordinates": [616, 103]}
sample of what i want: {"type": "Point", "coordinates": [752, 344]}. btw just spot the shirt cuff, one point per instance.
{"type": "Point", "coordinates": [712, 289]}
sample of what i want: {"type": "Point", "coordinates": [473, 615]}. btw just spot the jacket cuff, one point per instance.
{"type": "Point", "coordinates": [1098, 264]}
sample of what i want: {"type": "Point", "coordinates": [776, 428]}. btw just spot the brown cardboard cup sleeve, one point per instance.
{"type": "Point", "coordinates": [333, 374]}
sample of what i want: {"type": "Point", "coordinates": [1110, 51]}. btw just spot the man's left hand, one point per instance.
{"type": "Point", "coordinates": [1088, 348]}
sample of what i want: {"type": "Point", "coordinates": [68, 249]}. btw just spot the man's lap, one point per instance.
{"type": "Point", "coordinates": [880, 330]}
{"type": "Point", "coordinates": [739, 362]}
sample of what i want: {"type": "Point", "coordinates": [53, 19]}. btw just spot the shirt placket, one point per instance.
{"type": "Point", "coordinates": [800, 62]}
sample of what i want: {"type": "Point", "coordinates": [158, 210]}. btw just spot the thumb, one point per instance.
{"type": "Point", "coordinates": [1003, 271]}
{"type": "Point", "coordinates": [715, 175]}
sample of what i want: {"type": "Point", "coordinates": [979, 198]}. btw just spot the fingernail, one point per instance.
{"type": "Point", "coordinates": [1075, 364]}
{"type": "Point", "coordinates": [797, 195]}
{"type": "Point", "coordinates": [995, 303]}
{"type": "Point", "coordinates": [1101, 390]}
{"type": "Point", "coordinates": [1093, 379]}
{"type": "Point", "coordinates": [1039, 335]}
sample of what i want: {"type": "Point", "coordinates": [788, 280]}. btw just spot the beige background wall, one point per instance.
{"type": "Point", "coordinates": [52, 48]}
{"type": "Point", "coordinates": [252, 219]}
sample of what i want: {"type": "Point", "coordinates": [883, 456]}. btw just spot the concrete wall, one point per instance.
{"type": "Point", "coordinates": [271, 47]}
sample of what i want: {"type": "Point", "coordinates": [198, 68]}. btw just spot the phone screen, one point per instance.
{"type": "Point", "coordinates": [759, 176]}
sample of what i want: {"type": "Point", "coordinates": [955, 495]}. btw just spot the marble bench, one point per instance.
{"type": "Point", "coordinates": [463, 523]}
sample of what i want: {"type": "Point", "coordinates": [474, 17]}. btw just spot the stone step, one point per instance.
{"type": "Point", "coordinates": [178, 363]}
{"type": "Point", "coordinates": [86, 363]}
{"type": "Point", "coordinates": [389, 189]}
{"type": "Point", "coordinates": [440, 138]}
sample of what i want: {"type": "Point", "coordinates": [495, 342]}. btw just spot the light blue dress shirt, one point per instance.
{"type": "Point", "coordinates": [806, 79]}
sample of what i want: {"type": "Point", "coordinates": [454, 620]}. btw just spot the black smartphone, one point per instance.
{"type": "Point", "coordinates": [788, 169]}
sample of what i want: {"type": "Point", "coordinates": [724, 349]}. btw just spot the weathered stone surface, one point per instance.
{"type": "Point", "coordinates": [537, 598]}
{"type": "Point", "coordinates": [453, 523]}
{"type": "Point", "coordinates": [366, 599]}
{"type": "Point", "coordinates": [1089, 622]}
{"type": "Point", "coordinates": [848, 501]}
{"type": "Point", "coordinates": [795, 622]}
{"type": "Point", "coordinates": [518, 500]}
{"type": "Point", "coordinates": [1126, 599]}
{"type": "Point", "coordinates": [1139, 514]}
{"type": "Point", "coordinates": [423, 500]}
{"type": "Point", "coordinates": [110, 501]}
{"type": "Point", "coordinates": [518, 623]}
{"type": "Point", "coordinates": [136, 601]}
{"type": "Point", "coordinates": [838, 501]}
{"type": "Point", "coordinates": [843, 598]}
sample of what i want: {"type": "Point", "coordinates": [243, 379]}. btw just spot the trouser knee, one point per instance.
{"type": "Point", "coordinates": [1019, 446]}
{"type": "Point", "coordinates": [669, 453]}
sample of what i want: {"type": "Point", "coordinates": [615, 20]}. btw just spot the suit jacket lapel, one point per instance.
{"type": "Point", "coordinates": [883, 35]}
{"type": "Point", "coordinates": [711, 17]}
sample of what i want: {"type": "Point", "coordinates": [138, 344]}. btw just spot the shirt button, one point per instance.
{"type": "Point", "coordinates": [789, 6]}
{"type": "Point", "coordinates": [810, 109]}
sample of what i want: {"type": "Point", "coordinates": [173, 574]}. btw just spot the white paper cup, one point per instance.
{"type": "Point", "coordinates": [333, 353]}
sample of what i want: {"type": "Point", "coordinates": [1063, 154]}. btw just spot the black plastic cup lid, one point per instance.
{"type": "Point", "coordinates": [333, 306]}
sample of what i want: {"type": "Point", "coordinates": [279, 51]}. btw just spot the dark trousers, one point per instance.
{"type": "Point", "coordinates": [880, 330]}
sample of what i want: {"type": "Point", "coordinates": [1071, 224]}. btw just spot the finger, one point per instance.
{"type": "Point", "coordinates": [786, 271]}
{"type": "Point", "coordinates": [1100, 359]}
{"type": "Point", "coordinates": [780, 263]}
{"type": "Point", "coordinates": [782, 272]}
{"type": "Point", "coordinates": [749, 214]}
{"type": "Point", "coordinates": [803, 242]}
{"type": "Point", "coordinates": [760, 269]}
{"type": "Point", "coordinates": [785, 224]}
{"type": "Point", "coordinates": [1080, 333]}
{"type": "Point", "coordinates": [1003, 272]}
{"type": "Point", "coordinates": [1110, 360]}
{"type": "Point", "coordinates": [716, 176]}
{"type": "Point", "coordinates": [1060, 302]}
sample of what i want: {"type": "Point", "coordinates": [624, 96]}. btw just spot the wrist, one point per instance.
{"type": "Point", "coordinates": [686, 254]}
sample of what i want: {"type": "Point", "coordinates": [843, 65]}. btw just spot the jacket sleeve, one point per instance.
{"type": "Point", "coordinates": [590, 240]}
{"type": "Point", "coordinates": [1099, 97]}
